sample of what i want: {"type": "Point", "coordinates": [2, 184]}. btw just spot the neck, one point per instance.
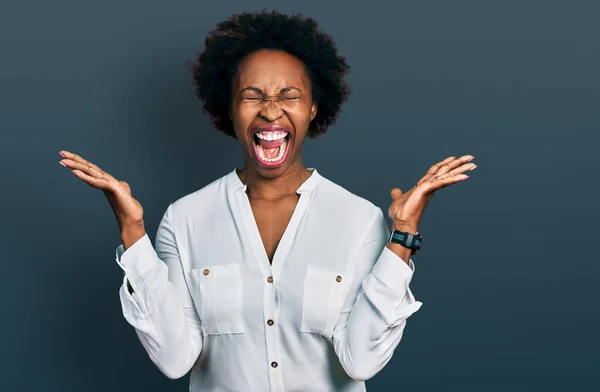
{"type": "Point", "coordinates": [259, 187]}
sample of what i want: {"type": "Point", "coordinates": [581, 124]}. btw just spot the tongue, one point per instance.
{"type": "Point", "coordinates": [271, 152]}
{"type": "Point", "coordinates": [269, 144]}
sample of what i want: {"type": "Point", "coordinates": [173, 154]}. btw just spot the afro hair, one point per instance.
{"type": "Point", "coordinates": [245, 33]}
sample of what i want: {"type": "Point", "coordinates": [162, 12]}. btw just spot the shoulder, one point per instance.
{"type": "Point", "coordinates": [340, 202]}
{"type": "Point", "coordinates": [211, 194]}
{"type": "Point", "coordinates": [344, 220]}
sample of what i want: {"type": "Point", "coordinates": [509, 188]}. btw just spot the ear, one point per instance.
{"type": "Point", "coordinates": [313, 111]}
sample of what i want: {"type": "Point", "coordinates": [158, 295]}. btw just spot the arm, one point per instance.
{"type": "Point", "coordinates": [375, 313]}
{"type": "Point", "coordinates": [159, 306]}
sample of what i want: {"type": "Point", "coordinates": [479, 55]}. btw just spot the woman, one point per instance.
{"type": "Point", "coordinates": [271, 278]}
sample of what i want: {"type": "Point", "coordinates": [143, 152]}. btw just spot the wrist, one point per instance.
{"type": "Point", "coordinates": [405, 227]}
{"type": "Point", "coordinates": [405, 236]}
{"type": "Point", "coordinates": [131, 233]}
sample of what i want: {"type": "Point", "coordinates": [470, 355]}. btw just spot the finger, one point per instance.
{"type": "Point", "coordinates": [90, 170]}
{"type": "Point", "coordinates": [462, 160]}
{"type": "Point", "coordinates": [74, 157]}
{"type": "Point", "coordinates": [78, 159]}
{"type": "Point", "coordinates": [395, 193]}
{"type": "Point", "coordinates": [437, 166]}
{"type": "Point", "coordinates": [453, 164]}
{"type": "Point", "coordinates": [450, 163]}
{"type": "Point", "coordinates": [100, 183]}
{"type": "Point", "coordinates": [437, 169]}
{"type": "Point", "coordinates": [126, 186]}
{"type": "Point", "coordinates": [446, 166]}
{"type": "Point", "coordinates": [462, 168]}
{"type": "Point", "coordinates": [444, 181]}
{"type": "Point", "coordinates": [76, 162]}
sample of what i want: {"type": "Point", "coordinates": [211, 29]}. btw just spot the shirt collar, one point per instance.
{"type": "Point", "coordinates": [310, 184]}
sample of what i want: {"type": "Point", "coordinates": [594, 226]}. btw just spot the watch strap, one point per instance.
{"type": "Point", "coordinates": [408, 240]}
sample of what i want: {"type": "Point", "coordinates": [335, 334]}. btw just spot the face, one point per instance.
{"type": "Point", "coordinates": [271, 110]}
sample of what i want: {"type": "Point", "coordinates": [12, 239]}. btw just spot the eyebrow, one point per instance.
{"type": "Point", "coordinates": [259, 91]}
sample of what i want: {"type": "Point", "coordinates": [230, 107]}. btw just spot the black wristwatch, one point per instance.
{"type": "Point", "coordinates": [411, 241]}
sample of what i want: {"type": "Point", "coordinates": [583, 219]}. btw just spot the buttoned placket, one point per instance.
{"type": "Point", "coordinates": [271, 273]}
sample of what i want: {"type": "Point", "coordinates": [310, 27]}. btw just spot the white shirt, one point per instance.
{"type": "Point", "coordinates": [325, 316]}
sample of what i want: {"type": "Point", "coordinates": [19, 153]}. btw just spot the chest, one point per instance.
{"type": "Point", "coordinates": [272, 218]}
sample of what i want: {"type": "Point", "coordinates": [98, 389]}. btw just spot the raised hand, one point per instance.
{"type": "Point", "coordinates": [127, 210]}
{"type": "Point", "coordinates": [407, 208]}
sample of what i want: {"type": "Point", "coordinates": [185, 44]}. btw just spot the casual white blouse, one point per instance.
{"type": "Point", "coordinates": [326, 315]}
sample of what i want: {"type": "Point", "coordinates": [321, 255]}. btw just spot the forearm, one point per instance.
{"type": "Point", "coordinates": [168, 335]}
{"type": "Point", "coordinates": [168, 330]}
{"type": "Point", "coordinates": [374, 328]}
{"type": "Point", "coordinates": [132, 233]}
{"type": "Point", "coordinates": [129, 236]}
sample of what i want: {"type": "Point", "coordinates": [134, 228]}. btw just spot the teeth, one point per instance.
{"type": "Point", "coordinates": [271, 135]}
{"type": "Point", "coordinates": [272, 160]}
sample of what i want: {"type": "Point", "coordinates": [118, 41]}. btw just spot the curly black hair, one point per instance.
{"type": "Point", "coordinates": [245, 33]}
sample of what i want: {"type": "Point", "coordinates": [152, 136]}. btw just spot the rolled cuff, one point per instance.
{"type": "Point", "coordinates": [138, 258]}
{"type": "Point", "coordinates": [394, 272]}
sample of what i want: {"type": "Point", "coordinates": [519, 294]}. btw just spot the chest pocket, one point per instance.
{"type": "Point", "coordinates": [323, 299]}
{"type": "Point", "coordinates": [218, 292]}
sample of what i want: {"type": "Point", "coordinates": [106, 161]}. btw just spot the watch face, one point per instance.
{"type": "Point", "coordinates": [398, 236]}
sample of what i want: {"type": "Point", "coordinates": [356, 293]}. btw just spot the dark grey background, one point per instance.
{"type": "Point", "coordinates": [509, 269]}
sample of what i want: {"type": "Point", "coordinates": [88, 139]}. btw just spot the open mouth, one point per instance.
{"type": "Point", "coordinates": [271, 147]}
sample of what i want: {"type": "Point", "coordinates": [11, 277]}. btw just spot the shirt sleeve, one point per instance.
{"type": "Point", "coordinates": [160, 307]}
{"type": "Point", "coordinates": [374, 316]}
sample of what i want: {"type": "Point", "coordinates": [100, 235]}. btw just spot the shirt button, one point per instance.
{"type": "Point", "coordinates": [273, 364]}
{"type": "Point", "coordinates": [270, 322]}
{"type": "Point", "coordinates": [205, 272]}
{"type": "Point", "coordinates": [338, 279]}
{"type": "Point", "coordinates": [270, 279]}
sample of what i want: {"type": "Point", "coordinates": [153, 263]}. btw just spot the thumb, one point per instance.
{"type": "Point", "coordinates": [126, 186]}
{"type": "Point", "coordinates": [395, 193]}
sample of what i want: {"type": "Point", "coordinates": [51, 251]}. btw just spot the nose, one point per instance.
{"type": "Point", "coordinates": [271, 110]}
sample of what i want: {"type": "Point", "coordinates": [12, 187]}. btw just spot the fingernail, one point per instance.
{"type": "Point", "coordinates": [470, 159]}
{"type": "Point", "coordinates": [62, 155]}
{"type": "Point", "coordinates": [473, 168]}
{"type": "Point", "coordinates": [62, 164]}
{"type": "Point", "coordinates": [73, 171]}
{"type": "Point", "coordinates": [465, 177]}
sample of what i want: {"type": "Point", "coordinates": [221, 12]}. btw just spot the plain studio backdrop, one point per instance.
{"type": "Point", "coordinates": [509, 270]}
